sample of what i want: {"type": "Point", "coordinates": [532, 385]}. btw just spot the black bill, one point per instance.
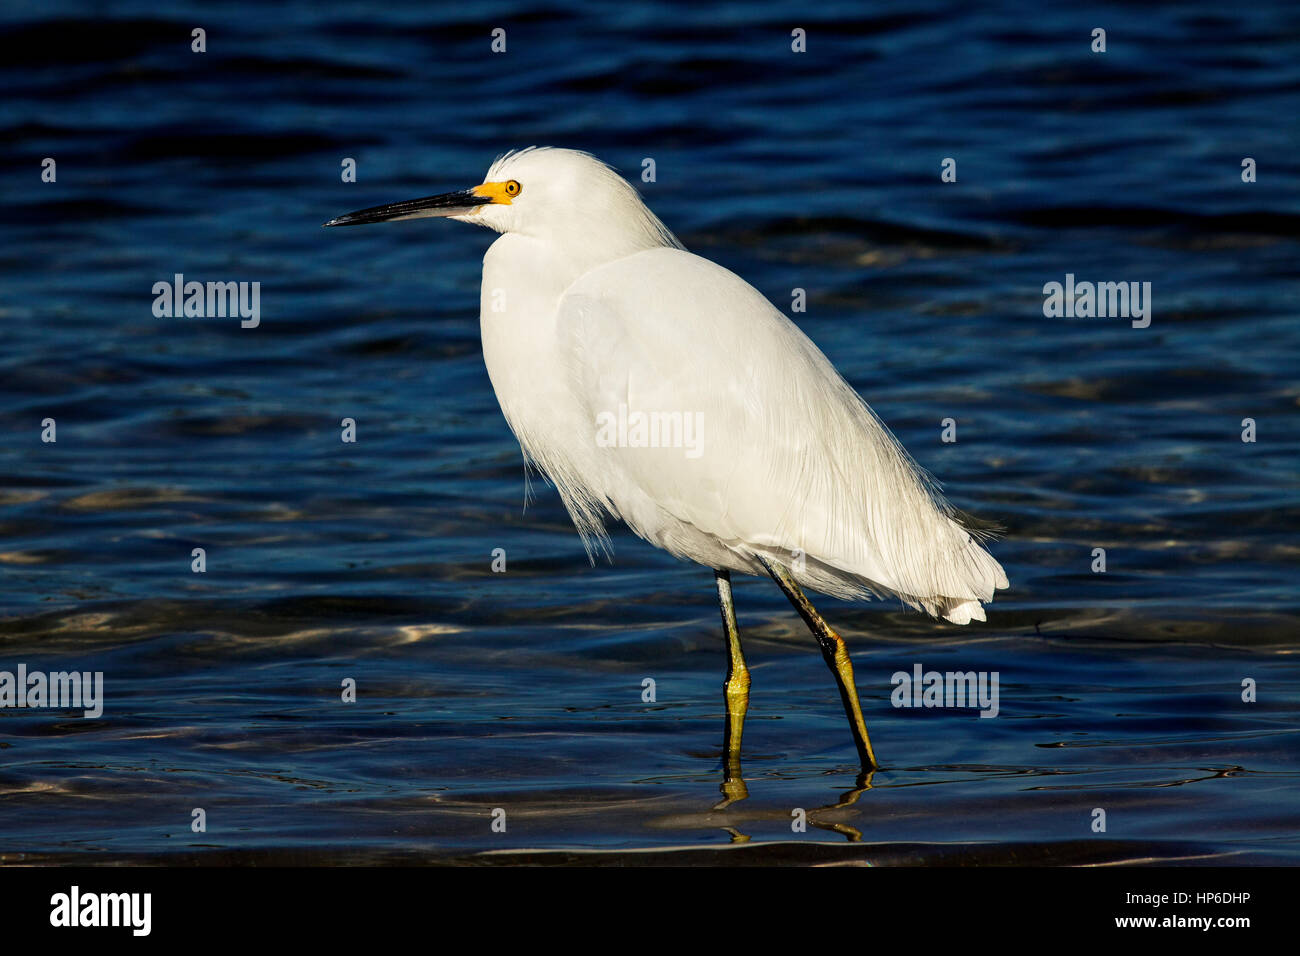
{"type": "Point", "coordinates": [447, 204]}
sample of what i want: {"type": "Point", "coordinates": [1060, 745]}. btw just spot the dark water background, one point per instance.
{"type": "Point", "coordinates": [522, 690]}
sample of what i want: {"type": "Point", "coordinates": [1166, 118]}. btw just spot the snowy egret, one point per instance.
{"type": "Point", "coordinates": [656, 387]}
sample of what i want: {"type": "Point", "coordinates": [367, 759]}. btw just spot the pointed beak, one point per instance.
{"type": "Point", "coordinates": [447, 204]}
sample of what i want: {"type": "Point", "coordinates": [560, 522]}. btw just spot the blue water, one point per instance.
{"type": "Point", "coordinates": [522, 690]}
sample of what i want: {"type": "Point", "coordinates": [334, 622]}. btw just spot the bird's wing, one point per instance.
{"type": "Point", "coordinates": [788, 460]}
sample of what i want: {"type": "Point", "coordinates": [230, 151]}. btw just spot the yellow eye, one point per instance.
{"type": "Point", "coordinates": [513, 188]}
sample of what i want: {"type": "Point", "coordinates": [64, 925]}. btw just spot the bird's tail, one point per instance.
{"type": "Point", "coordinates": [985, 576]}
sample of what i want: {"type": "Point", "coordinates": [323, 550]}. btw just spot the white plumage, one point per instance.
{"type": "Point", "coordinates": [589, 303]}
{"type": "Point", "coordinates": [592, 310]}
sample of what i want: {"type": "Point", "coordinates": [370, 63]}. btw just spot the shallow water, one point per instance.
{"type": "Point", "coordinates": [522, 690]}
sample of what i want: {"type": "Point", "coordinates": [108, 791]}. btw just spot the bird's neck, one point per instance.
{"type": "Point", "coordinates": [573, 247]}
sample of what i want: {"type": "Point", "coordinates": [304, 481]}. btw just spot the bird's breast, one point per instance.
{"type": "Point", "coordinates": [522, 286]}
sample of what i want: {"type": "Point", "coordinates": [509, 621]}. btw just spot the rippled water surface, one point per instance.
{"type": "Point", "coordinates": [523, 690]}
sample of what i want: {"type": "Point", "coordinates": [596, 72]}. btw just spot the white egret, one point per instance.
{"type": "Point", "coordinates": [656, 387]}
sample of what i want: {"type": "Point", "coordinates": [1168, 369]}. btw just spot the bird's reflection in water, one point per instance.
{"type": "Point", "coordinates": [848, 799]}
{"type": "Point", "coordinates": [734, 788]}
{"type": "Point", "coordinates": [733, 782]}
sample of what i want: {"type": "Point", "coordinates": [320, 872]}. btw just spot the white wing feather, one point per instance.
{"type": "Point", "coordinates": [792, 463]}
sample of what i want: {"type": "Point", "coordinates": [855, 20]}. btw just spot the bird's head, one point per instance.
{"type": "Point", "coordinates": [557, 195]}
